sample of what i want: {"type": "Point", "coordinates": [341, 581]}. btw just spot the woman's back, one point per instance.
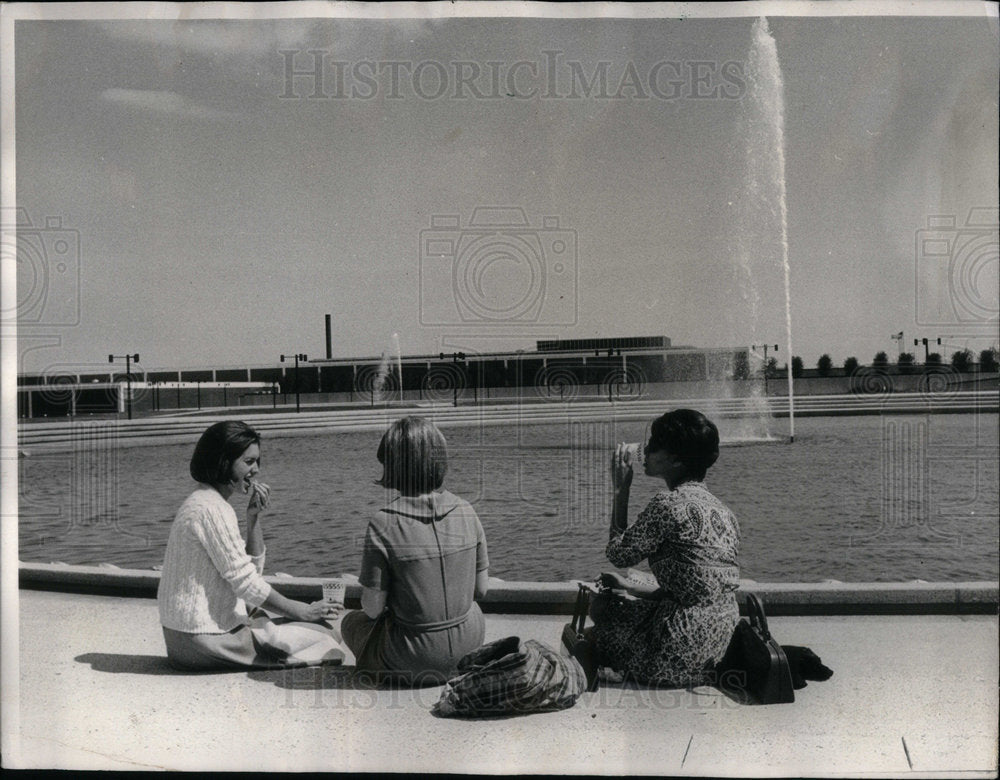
{"type": "Point", "coordinates": [433, 544]}
{"type": "Point", "coordinates": [696, 562]}
{"type": "Point", "coordinates": [424, 553]}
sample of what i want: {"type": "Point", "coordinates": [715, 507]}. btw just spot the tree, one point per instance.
{"type": "Point", "coordinates": [881, 359]}
{"type": "Point", "coordinates": [988, 360]}
{"type": "Point", "coordinates": [961, 360]}
{"type": "Point", "coordinates": [850, 365]}
{"type": "Point", "coordinates": [905, 362]}
{"type": "Point", "coordinates": [771, 369]}
{"type": "Point", "coordinates": [824, 364]}
{"type": "Point", "coordinates": [796, 366]}
{"type": "Point", "coordinates": [933, 359]}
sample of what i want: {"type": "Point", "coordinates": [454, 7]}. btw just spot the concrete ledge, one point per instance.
{"type": "Point", "coordinates": [557, 598]}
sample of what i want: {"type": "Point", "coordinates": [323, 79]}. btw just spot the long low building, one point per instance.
{"type": "Point", "coordinates": [613, 369]}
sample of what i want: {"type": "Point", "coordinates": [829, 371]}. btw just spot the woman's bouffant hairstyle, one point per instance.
{"type": "Point", "coordinates": [414, 456]}
{"type": "Point", "coordinates": [688, 435]}
{"type": "Point", "coordinates": [219, 448]}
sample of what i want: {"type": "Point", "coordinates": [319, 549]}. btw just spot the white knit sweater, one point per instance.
{"type": "Point", "coordinates": [206, 569]}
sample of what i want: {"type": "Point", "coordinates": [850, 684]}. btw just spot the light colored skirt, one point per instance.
{"type": "Point", "coordinates": [265, 643]}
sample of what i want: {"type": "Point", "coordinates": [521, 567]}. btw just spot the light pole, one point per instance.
{"type": "Point", "coordinates": [456, 358]}
{"type": "Point", "coordinates": [297, 357]}
{"type": "Point", "coordinates": [926, 348]}
{"type": "Point", "coordinates": [898, 338]}
{"type": "Point", "coordinates": [765, 347]}
{"type": "Point", "coordinates": [128, 377]}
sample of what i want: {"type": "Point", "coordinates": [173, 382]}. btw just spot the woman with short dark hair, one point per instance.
{"type": "Point", "coordinates": [676, 633]}
{"type": "Point", "coordinates": [424, 564]}
{"type": "Point", "coordinates": [208, 569]}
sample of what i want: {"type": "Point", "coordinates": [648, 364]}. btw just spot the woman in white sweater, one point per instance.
{"type": "Point", "coordinates": [208, 569]}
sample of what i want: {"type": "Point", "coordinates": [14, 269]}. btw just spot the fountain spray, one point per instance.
{"type": "Point", "coordinates": [771, 92]}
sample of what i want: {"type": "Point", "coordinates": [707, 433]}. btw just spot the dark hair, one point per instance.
{"type": "Point", "coordinates": [688, 435]}
{"type": "Point", "coordinates": [414, 456]}
{"type": "Point", "coordinates": [219, 448]}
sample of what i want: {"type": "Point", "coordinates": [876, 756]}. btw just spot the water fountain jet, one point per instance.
{"type": "Point", "coordinates": [763, 211]}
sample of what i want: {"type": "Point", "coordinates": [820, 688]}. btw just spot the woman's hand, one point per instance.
{"type": "Point", "coordinates": [621, 469]}
{"type": "Point", "coordinates": [318, 610]}
{"type": "Point", "coordinates": [613, 580]}
{"type": "Point", "coordinates": [259, 498]}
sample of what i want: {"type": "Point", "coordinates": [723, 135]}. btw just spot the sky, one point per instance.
{"type": "Point", "coordinates": [472, 183]}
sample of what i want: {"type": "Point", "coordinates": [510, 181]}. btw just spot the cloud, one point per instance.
{"type": "Point", "coordinates": [214, 37]}
{"type": "Point", "coordinates": [161, 102]}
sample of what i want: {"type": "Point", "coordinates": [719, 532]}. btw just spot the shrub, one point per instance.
{"type": "Point", "coordinates": [962, 360]}
{"type": "Point", "coordinates": [988, 360]}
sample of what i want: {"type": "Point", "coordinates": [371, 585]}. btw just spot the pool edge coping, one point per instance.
{"type": "Point", "coordinates": [830, 597]}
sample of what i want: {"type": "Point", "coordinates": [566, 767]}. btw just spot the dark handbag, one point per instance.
{"type": "Point", "coordinates": [755, 668]}
{"type": "Point", "coordinates": [575, 644]}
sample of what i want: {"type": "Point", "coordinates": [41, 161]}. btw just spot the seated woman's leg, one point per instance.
{"type": "Point", "coordinates": [365, 637]}
{"type": "Point", "coordinates": [204, 652]}
{"type": "Point", "coordinates": [355, 628]}
{"type": "Point", "coordinates": [614, 634]}
{"type": "Point", "coordinates": [599, 606]}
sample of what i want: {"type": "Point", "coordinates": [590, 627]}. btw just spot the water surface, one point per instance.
{"type": "Point", "coordinates": [854, 498]}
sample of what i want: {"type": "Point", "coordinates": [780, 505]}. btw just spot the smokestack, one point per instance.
{"type": "Point", "coordinates": [329, 339]}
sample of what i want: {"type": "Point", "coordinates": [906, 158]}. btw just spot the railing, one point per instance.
{"type": "Point", "coordinates": [177, 429]}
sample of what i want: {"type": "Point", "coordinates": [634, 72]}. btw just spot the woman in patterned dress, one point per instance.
{"type": "Point", "coordinates": [676, 633]}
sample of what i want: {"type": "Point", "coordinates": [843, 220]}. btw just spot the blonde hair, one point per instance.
{"type": "Point", "coordinates": [414, 456]}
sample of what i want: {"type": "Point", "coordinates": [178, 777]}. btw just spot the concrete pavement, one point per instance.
{"type": "Point", "coordinates": [911, 695]}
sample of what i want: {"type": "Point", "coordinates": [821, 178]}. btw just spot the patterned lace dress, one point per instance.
{"type": "Point", "coordinates": [691, 540]}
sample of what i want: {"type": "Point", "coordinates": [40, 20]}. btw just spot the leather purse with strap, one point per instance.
{"type": "Point", "coordinates": [575, 644]}
{"type": "Point", "coordinates": [755, 668]}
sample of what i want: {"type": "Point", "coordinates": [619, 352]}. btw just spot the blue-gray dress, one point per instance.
{"type": "Point", "coordinates": [424, 552]}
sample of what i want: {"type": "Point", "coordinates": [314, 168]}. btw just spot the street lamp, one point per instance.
{"type": "Point", "coordinates": [297, 357]}
{"type": "Point", "coordinates": [128, 377]}
{"type": "Point", "coordinates": [926, 348]}
{"type": "Point", "coordinates": [456, 358]}
{"type": "Point", "coordinates": [765, 347]}
{"type": "Point", "coordinates": [898, 338]}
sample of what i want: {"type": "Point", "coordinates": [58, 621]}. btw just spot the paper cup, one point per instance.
{"type": "Point", "coordinates": [635, 455]}
{"type": "Point", "coordinates": [333, 591]}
